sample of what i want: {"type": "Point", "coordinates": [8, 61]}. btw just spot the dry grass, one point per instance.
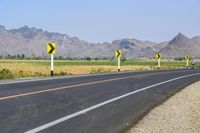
{"type": "Point", "coordinates": [30, 68]}
{"type": "Point", "coordinates": [69, 69]}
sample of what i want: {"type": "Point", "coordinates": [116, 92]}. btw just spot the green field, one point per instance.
{"type": "Point", "coordinates": [168, 63]}
{"type": "Point", "coordinates": [41, 68]}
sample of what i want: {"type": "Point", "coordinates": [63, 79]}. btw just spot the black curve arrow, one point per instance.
{"type": "Point", "coordinates": [118, 53]}
{"type": "Point", "coordinates": [52, 48]}
{"type": "Point", "coordinates": [158, 56]}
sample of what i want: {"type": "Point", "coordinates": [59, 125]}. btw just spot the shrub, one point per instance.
{"type": "Point", "coordinates": [64, 73]}
{"type": "Point", "coordinates": [61, 73]}
{"type": "Point", "coordinates": [88, 59]}
{"type": "Point", "coordinates": [6, 74]}
{"type": "Point", "coordinates": [96, 59]}
{"type": "Point", "coordinates": [20, 74]}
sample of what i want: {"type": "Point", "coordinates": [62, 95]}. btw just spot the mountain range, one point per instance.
{"type": "Point", "coordinates": [32, 43]}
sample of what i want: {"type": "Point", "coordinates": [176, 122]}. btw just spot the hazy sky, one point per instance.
{"type": "Point", "coordinates": [105, 20]}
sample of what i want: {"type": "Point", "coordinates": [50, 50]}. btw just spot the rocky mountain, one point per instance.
{"type": "Point", "coordinates": [32, 43]}
{"type": "Point", "coordinates": [196, 40]}
{"type": "Point", "coordinates": [180, 46]}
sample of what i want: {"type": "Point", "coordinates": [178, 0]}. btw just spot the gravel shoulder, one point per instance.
{"type": "Point", "coordinates": [179, 114]}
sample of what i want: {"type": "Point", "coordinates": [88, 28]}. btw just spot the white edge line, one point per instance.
{"type": "Point", "coordinates": [76, 76]}
{"type": "Point", "coordinates": [45, 126]}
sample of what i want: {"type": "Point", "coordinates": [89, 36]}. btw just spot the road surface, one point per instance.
{"type": "Point", "coordinates": [103, 103]}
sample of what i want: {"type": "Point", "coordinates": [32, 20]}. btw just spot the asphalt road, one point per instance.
{"type": "Point", "coordinates": [104, 103]}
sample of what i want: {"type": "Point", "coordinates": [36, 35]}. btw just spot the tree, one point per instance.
{"type": "Point", "coordinates": [96, 59]}
{"type": "Point", "coordinates": [23, 56]}
{"type": "Point", "coordinates": [9, 56]}
{"type": "Point", "coordinates": [18, 56]}
{"type": "Point", "coordinates": [60, 58]}
{"type": "Point", "coordinates": [88, 59]}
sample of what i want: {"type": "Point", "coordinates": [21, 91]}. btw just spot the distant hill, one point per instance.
{"type": "Point", "coordinates": [180, 46]}
{"type": "Point", "coordinates": [32, 43]}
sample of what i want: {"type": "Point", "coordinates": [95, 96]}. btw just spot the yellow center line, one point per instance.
{"type": "Point", "coordinates": [77, 85]}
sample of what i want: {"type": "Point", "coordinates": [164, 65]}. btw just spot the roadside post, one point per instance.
{"type": "Point", "coordinates": [118, 54]}
{"type": "Point", "coordinates": [158, 56]}
{"type": "Point", "coordinates": [187, 60]}
{"type": "Point", "coordinates": [51, 49]}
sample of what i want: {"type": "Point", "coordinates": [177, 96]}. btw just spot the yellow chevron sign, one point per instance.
{"type": "Point", "coordinates": [187, 57]}
{"type": "Point", "coordinates": [118, 53]}
{"type": "Point", "coordinates": [51, 48]}
{"type": "Point", "coordinates": [158, 55]}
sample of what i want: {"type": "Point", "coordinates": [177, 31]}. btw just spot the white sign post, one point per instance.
{"type": "Point", "coordinates": [51, 49]}
{"type": "Point", "coordinates": [158, 56]}
{"type": "Point", "coordinates": [118, 54]}
{"type": "Point", "coordinates": [187, 63]}
{"type": "Point", "coordinates": [51, 64]}
{"type": "Point", "coordinates": [159, 63]}
{"type": "Point", "coordinates": [118, 64]}
{"type": "Point", "coordinates": [187, 57]}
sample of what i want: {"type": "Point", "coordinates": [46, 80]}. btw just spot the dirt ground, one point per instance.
{"type": "Point", "coordinates": [179, 114]}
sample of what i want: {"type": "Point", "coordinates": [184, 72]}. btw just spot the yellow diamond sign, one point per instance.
{"type": "Point", "coordinates": [187, 57]}
{"type": "Point", "coordinates": [158, 56]}
{"type": "Point", "coordinates": [51, 48]}
{"type": "Point", "coordinates": [118, 53]}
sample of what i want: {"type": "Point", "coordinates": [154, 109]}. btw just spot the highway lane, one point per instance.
{"type": "Point", "coordinates": [22, 109]}
{"type": "Point", "coordinates": [43, 84]}
{"type": "Point", "coordinates": [47, 83]}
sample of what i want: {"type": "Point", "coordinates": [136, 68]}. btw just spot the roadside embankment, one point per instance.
{"type": "Point", "coordinates": [179, 114]}
{"type": "Point", "coordinates": [10, 69]}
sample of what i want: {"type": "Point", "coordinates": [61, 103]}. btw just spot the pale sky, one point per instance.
{"type": "Point", "coordinates": [105, 20]}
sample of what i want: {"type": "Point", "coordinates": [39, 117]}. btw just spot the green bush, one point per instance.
{"type": "Point", "coordinates": [20, 74]}
{"type": "Point", "coordinates": [6, 74]}
{"type": "Point", "coordinates": [88, 59]}
{"type": "Point", "coordinates": [62, 73]}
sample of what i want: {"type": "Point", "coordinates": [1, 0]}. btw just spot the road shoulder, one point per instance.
{"type": "Point", "coordinates": [180, 114]}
